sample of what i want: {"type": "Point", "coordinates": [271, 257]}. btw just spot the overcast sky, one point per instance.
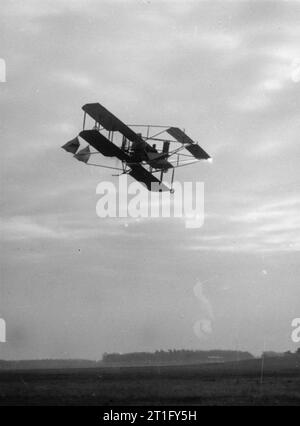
{"type": "Point", "coordinates": [75, 285]}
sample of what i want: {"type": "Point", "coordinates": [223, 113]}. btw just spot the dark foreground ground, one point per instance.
{"type": "Point", "coordinates": [221, 384]}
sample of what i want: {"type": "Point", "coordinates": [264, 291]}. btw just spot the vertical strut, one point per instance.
{"type": "Point", "coordinates": [123, 143]}
{"type": "Point", "coordinates": [173, 174]}
{"type": "Point", "coordinates": [161, 176]}
{"type": "Point", "coordinates": [84, 118]}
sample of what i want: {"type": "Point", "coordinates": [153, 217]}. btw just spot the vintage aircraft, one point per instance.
{"type": "Point", "coordinates": [135, 151]}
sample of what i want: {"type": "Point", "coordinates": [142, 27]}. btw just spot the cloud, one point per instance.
{"type": "Point", "coordinates": [270, 211]}
{"type": "Point", "coordinates": [24, 228]}
{"type": "Point", "coordinates": [295, 70]}
{"type": "Point", "coordinates": [73, 79]}
{"type": "Point", "coordinates": [34, 9]}
{"type": "Point", "coordinates": [196, 38]}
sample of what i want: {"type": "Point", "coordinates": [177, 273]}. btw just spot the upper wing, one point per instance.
{"type": "Point", "coordinates": [109, 121]}
{"type": "Point", "coordinates": [191, 146]}
{"type": "Point", "coordinates": [142, 175]}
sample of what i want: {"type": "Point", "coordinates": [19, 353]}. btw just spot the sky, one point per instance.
{"type": "Point", "coordinates": [74, 285]}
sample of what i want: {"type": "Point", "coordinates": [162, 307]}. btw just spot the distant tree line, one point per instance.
{"type": "Point", "coordinates": [180, 356]}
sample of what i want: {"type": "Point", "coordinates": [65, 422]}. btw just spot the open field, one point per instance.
{"type": "Point", "coordinates": [213, 384]}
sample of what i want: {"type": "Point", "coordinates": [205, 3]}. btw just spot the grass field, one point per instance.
{"type": "Point", "coordinates": [218, 384]}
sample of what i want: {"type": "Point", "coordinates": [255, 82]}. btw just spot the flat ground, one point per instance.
{"type": "Point", "coordinates": [218, 384]}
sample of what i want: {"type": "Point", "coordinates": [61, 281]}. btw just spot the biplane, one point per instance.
{"type": "Point", "coordinates": [158, 151]}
